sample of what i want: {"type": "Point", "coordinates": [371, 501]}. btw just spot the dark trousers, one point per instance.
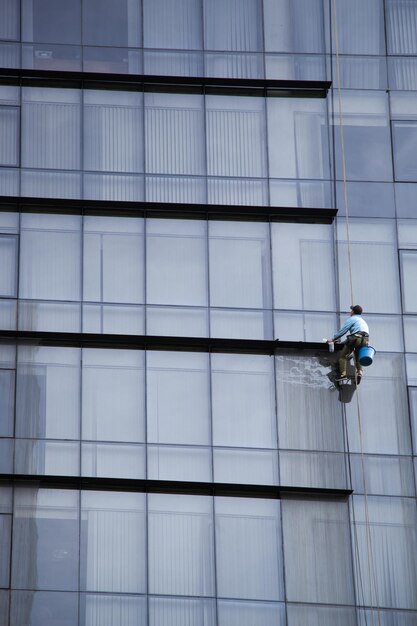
{"type": "Point", "coordinates": [353, 343]}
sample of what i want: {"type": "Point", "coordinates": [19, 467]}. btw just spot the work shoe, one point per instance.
{"type": "Point", "coordinates": [341, 377]}
{"type": "Point", "coordinates": [358, 378]}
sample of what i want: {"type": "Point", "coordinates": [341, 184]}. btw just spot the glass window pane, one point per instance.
{"type": "Point", "coordinates": [113, 131]}
{"type": "Point", "coordinates": [112, 23]}
{"type": "Point", "coordinates": [410, 333]}
{"type": "Point", "coordinates": [172, 24]}
{"type": "Point", "coordinates": [9, 130]}
{"type": "Point", "coordinates": [113, 554]}
{"type": "Point", "coordinates": [301, 253]}
{"type": "Point", "coordinates": [113, 395]}
{"type": "Point", "coordinates": [405, 143]}
{"type": "Point", "coordinates": [248, 549]}
{"type": "Point", "coordinates": [51, 128]}
{"type": "Point", "coordinates": [243, 401]}
{"type": "Point", "coordinates": [239, 265]}
{"type": "Point", "coordinates": [366, 199]}
{"type": "Point", "coordinates": [366, 136]}
{"type": "Point", "coordinates": [313, 469]}
{"type": "Point", "coordinates": [176, 253]}
{"type": "Point", "coordinates": [407, 231]}
{"type": "Point", "coordinates": [295, 26]}
{"type": "Point", "coordinates": [110, 460]}
{"type": "Point", "coordinates": [7, 382]}
{"type": "Point", "coordinates": [384, 475]}
{"type": "Point", "coordinates": [409, 274]}
{"type": "Point", "coordinates": [123, 610]}
{"type": "Point", "coordinates": [392, 526]}
{"type": "Point", "coordinates": [186, 463]}
{"type": "Point", "coordinates": [177, 321]}
{"type": "Point", "coordinates": [8, 263]}
{"type": "Point", "coordinates": [413, 410]}
{"type": "Point", "coordinates": [178, 398]}
{"type": "Point", "coordinates": [45, 539]}
{"type": "Point", "coordinates": [298, 145]}
{"type": "Point", "coordinates": [181, 559]}
{"type": "Point", "coordinates": [50, 257]}
{"type": "Point", "coordinates": [310, 615]}
{"type": "Point", "coordinates": [309, 415]}
{"type": "Point", "coordinates": [235, 136]}
{"type": "Point", "coordinates": [401, 32]}
{"type": "Point", "coordinates": [186, 611]}
{"type": "Point", "coordinates": [174, 125]}
{"type": "Point", "coordinates": [51, 21]}
{"type": "Point", "coordinates": [9, 19]}
{"type": "Point", "coordinates": [374, 262]}
{"type": "Point", "coordinates": [386, 332]}
{"type": "Point", "coordinates": [241, 324]}
{"type": "Point", "coordinates": [56, 458]}
{"type": "Point", "coordinates": [387, 617]}
{"type": "Point", "coordinates": [5, 537]}
{"type": "Point", "coordinates": [113, 260]}
{"type": "Point", "coordinates": [33, 608]}
{"type": "Point", "coordinates": [48, 392]}
{"type": "Point", "coordinates": [385, 421]}
{"type": "Point", "coordinates": [317, 548]}
{"type": "Point", "coordinates": [241, 613]}
{"type": "Point", "coordinates": [245, 466]}
{"type": "Point", "coordinates": [232, 25]}
{"type": "Point", "coordinates": [360, 27]}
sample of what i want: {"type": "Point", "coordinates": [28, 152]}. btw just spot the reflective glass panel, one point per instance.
{"type": "Point", "coordinates": [243, 401]}
{"type": "Point", "coordinates": [176, 271]}
{"type": "Point", "coordinates": [113, 554]}
{"type": "Point", "coordinates": [111, 22]}
{"type": "Point", "coordinates": [239, 255]}
{"type": "Point", "coordinates": [295, 26]}
{"type": "Point", "coordinates": [374, 263]}
{"type": "Point", "coordinates": [172, 24]}
{"type": "Point", "coordinates": [409, 275]}
{"type": "Point", "coordinates": [48, 392]}
{"type": "Point", "coordinates": [181, 552]}
{"type": "Point", "coordinates": [51, 21]}
{"type": "Point", "coordinates": [174, 127]}
{"type": "Point", "coordinates": [113, 395]}
{"type": "Point", "coordinates": [232, 25]}
{"type": "Point", "coordinates": [248, 549]}
{"type": "Point", "coordinates": [51, 128]}
{"type": "Point", "coordinates": [393, 533]}
{"type": "Point", "coordinates": [178, 398]}
{"type": "Point", "coordinates": [45, 539]}
{"type": "Point", "coordinates": [235, 136]}
{"type": "Point", "coordinates": [113, 260]}
{"type": "Point", "coordinates": [298, 138]}
{"type": "Point", "coordinates": [113, 131]}
{"type": "Point", "coordinates": [367, 139]}
{"type": "Point", "coordinates": [50, 257]}
{"type": "Point", "coordinates": [317, 551]}
{"type": "Point", "coordinates": [300, 254]}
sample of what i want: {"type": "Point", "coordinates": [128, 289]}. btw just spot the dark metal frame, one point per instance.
{"type": "Point", "coordinates": [170, 210]}
{"type": "Point", "coordinates": [237, 86]}
{"type": "Point", "coordinates": [236, 490]}
{"type": "Point", "coordinates": [157, 342]}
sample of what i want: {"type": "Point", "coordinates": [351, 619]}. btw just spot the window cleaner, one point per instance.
{"type": "Point", "coordinates": [357, 338]}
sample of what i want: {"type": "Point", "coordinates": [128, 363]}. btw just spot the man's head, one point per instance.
{"type": "Point", "coordinates": [356, 309]}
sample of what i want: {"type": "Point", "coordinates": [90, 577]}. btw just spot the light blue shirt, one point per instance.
{"type": "Point", "coordinates": [354, 324]}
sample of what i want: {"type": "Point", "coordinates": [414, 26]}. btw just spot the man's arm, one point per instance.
{"type": "Point", "coordinates": [342, 331]}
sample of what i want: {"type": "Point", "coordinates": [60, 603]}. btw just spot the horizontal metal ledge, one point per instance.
{"type": "Point", "coordinates": [257, 86]}
{"type": "Point", "coordinates": [234, 490]}
{"type": "Point", "coordinates": [168, 210]}
{"type": "Point", "coordinates": [157, 342]}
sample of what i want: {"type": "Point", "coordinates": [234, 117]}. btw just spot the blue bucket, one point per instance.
{"type": "Point", "coordinates": [366, 355]}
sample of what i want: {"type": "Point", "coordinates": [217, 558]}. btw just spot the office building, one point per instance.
{"type": "Point", "coordinates": [173, 250]}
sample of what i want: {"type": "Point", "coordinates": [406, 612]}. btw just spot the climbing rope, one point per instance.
{"type": "Point", "coordinates": [371, 564]}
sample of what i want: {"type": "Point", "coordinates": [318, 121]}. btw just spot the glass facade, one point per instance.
{"type": "Point", "coordinates": [160, 462]}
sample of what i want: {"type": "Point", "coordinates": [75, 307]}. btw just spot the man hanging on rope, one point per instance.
{"type": "Point", "coordinates": [358, 336]}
